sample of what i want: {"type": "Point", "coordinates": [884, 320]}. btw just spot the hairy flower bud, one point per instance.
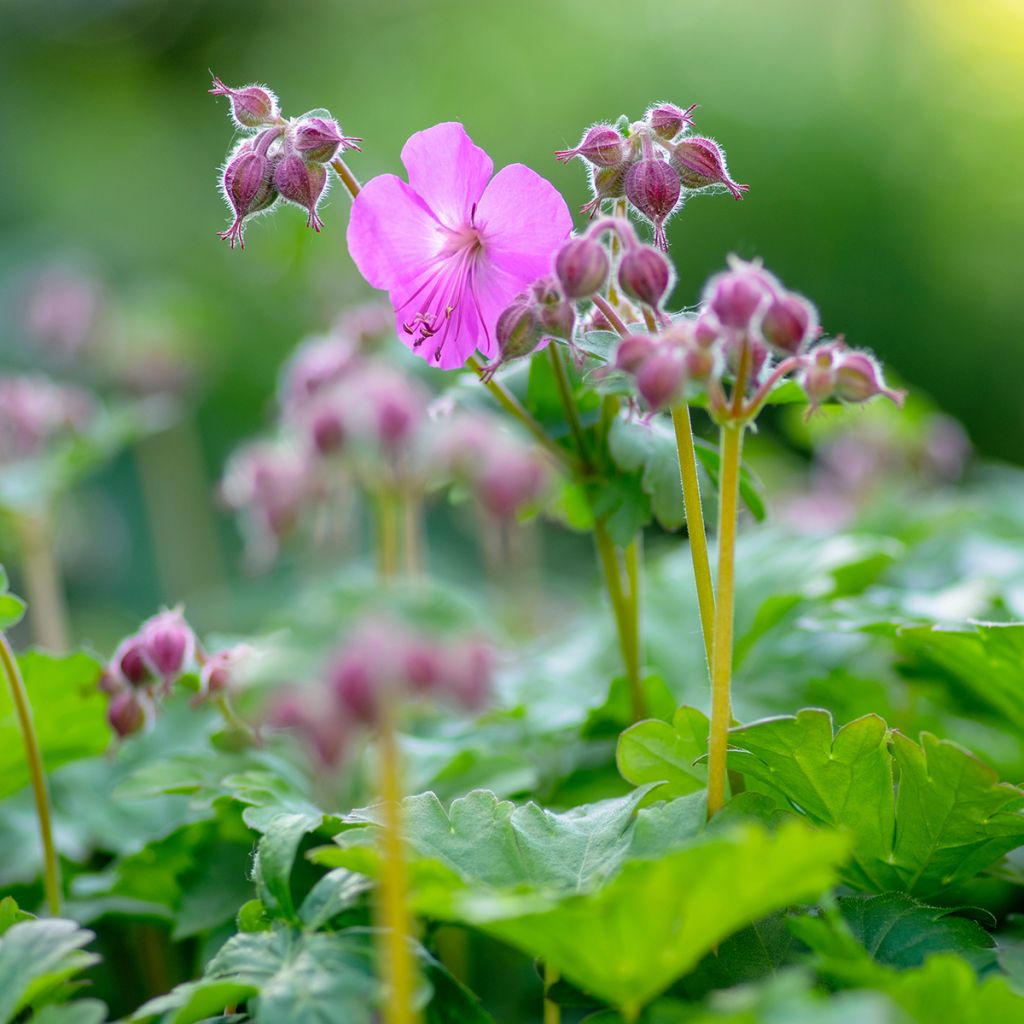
{"type": "Point", "coordinates": [700, 163]}
{"type": "Point", "coordinates": [303, 184]}
{"type": "Point", "coordinates": [858, 377]}
{"type": "Point", "coordinates": [557, 315]}
{"type": "Point", "coordinates": [355, 684]}
{"type": "Point", "coordinates": [605, 183]}
{"type": "Point", "coordinates": [131, 663]}
{"type": "Point", "coordinates": [168, 644]}
{"type": "Point", "coordinates": [518, 330]}
{"type": "Point", "coordinates": [248, 185]}
{"type": "Point", "coordinates": [581, 266]}
{"type": "Point", "coordinates": [318, 139]}
{"type": "Point", "coordinates": [661, 377]}
{"type": "Point", "coordinates": [818, 373]}
{"type": "Point", "coordinates": [652, 186]}
{"type": "Point", "coordinates": [327, 428]}
{"type": "Point", "coordinates": [667, 120]}
{"type": "Point", "coordinates": [251, 106]}
{"type": "Point", "coordinates": [126, 713]}
{"type": "Point", "coordinates": [632, 351]}
{"type": "Point", "coordinates": [219, 668]}
{"type": "Point", "coordinates": [736, 295]}
{"type": "Point", "coordinates": [645, 275]}
{"type": "Point", "coordinates": [601, 145]}
{"type": "Point", "coordinates": [788, 324]}
{"type": "Point", "coordinates": [513, 477]}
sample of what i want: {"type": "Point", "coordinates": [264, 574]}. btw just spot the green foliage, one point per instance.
{"type": "Point", "coordinates": [946, 819]}
{"type": "Point", "coordinates": [653, 751]}
{"type": "Point", "coordinates": [11, 608]}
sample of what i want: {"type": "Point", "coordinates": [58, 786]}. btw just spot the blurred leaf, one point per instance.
{"type": "Point", "coordinates": [68, 710]}
{"type": "Point", "coordinates": [335, 892]}
{"type": "Point", "coordinates": [750, 487]}
{"type": "Point", "coordinates": [654, 751]}
{"type": "Point", "coordinates": [11, 913]}
{"type": "Point", "coordinates": [948, 819]}
{"type": "Point", "coordinates": [82, 1011]}
{"type": "Point", "coordinates": [650, 449]}
{"type": "Point", "coordinates": [275, 855]}
{"type": "Point", "coordinates": [11, 608]}
{"type": "Point", "coordinates": [616, 713]}
{"type": "Point", "coordinates": [37, 958]}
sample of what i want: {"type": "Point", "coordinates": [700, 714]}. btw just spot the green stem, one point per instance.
{"type": "Point", "coordinates": [695, 523]}
{"type": "Point", "coordinates": [634, 563]}
{"type": "Point", "coordinates": [610, 315]}
{"type": "Point", "coordinates": [48, 614]}
{"type": "Point", "coordinates": [348, 179]}
{"type": "Point", "coordinates": [386, 527]}
{"type": "Point", "coordinates": [412, 537]}
{"type": "Point", "coordinates": [623, 617]}
{"type": "Point", "coordinates": [235, 721]}
{"type": "Point", "coordinates": [19, 698]}
{"type": "Point", "coordinates": [568, 404]}
{"type": "Point", "coordinates": [552, 1011]}
{"type": "Point", "coordinates": [393, 896]}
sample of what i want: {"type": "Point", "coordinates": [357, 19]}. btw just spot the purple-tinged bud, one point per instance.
{"type": "Point", "coordinates": [251, 106]}
{"type": "Point", "coordinates": [818, 374]}
{"type": "Point", "coordinates": [518, 330]}
{"type": "Point", "coordinates": [582, 267]}
{"type": "Point", "coordinates": [422, 666]}
{"type": "Point", "coordinates": [327, 429]}
{"type": "Point", "coordinates": [512, 478]}
{"type": "Point", "coordinates": [247, 185]}
{"type": "Point", "coordinates": [706, 330]}
{"type": "Point", "coordinates": [168, 644]}
{"type": "Point", "coordinates": [632, 351]}
{"type": "Point", "coordinates": [661, 377]}
{"type": "Point", "coordinates": [701, 356]}
{"type": "Point", "coordinates": [557, 315]}
{"type": "Point", "coordinates": [220, 668]}
{"type": "Point", "coordinates": [789, 324]}
{"type": "Point", "coordinates": [605, 183]}
{"type": "Point", "coordinates": [471, 667]}
{"type": "Point", "coordinates": [736, 295]}
{"type": "Point", "coordinates": [303, 184]}
{"type": "Point", "coordinates": [758, 357]}
{"type": "Point", "coordinates": [126, 713]}
{"type": "Point", "coordinates": [700, 163]}
{"type": "Point", "coordinates": [355, 683]}
{"type": "Point", "coordinates": [324, 730]}
{"type": "Point", "coordinates": [859, 377]}
{"type": "Point", "coordinates": [319, 138]}
{"type": "Point", "coordinates": [667, 120]}
{"type": "Point", "coordinates": [131, 663]}
{"type": "Point", "coordinates": [652, 186]}
{"type": "Point", "coordinates": [397, 417]}
{"type": "Point", "coordinates": [601, 145]}
{"type": "Point", "coordinates": [645, 275]}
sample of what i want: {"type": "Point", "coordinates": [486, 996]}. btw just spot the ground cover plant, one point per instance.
{"type": "Point", "coordinates": [763, 773]}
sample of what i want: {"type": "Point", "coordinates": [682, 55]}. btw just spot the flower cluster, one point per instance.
{"type": "Point", "coordinates": [381, 665]}
{"type": "Point", "coordinates": [36, 411]}
{"type": "Point", "coordinates": [146, 665]}
{"type": "Point", "coordinates": [279, 158]}
{"type": "Point", "coordinates": [653, 164]}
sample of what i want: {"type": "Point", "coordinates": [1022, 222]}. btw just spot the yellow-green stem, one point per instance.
{"type": "Point", "coordinates": [565, 392]}
{"type": "Point", "coordinates": [552, 1011]}
{"type": "Point", "coordinates": [412, 539]}
{"type": "Point", "coordinates": [393, 895]}
{"type": "Point", "coordinates": [47, 615]}
{"type": "Point", "coordinates": [37, 776]}
{"type": "Point", "coordinates": [721, 645]}
{"type": "Point", "coordinates": [634, 561]}
{"type": "Point", "coordinates": [348, 179]}
{"type": "Point", "coordinates": [695, 523]}
{"type": "Point", "coordinates": [386, 529]}
{"type": "Point", "coordinates": [623, 622]}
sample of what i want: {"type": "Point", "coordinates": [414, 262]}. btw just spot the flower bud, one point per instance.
{"type": "Point", "coordinates": [251, 106]}
{"type": "Point", "coordinates": [789, 324]}
{"type": "Point", "coordinates": [661, 377]}
{"type": "Point", "coordinates": [858, 377]}
{"type": "Point", "coordinates": [318, 139]}
{"type": "Point", "coordinates": [605, 183]}
{"type": "Point", "coordinates": [652, 186]}
{"type": "Point", "coordinates": [219, 668]}
{"type": "Point", "coordinates": [511, 479]}
{"type": "Point", "coordinates": [470, 672]}
{"type": "Point", "coordinates": [645, 275]}
{"type": "Point", "coordinates": [327, 429]}
{"type": "Point", "coordinates": [518, 330]}
{"type": "Point", "coordinates": [325, 732]}
{"type": "Point", "coordinates": [248, 187]}
{"type": "Point", "coordinates": [423, 665]}
{"type": "Point", "coordinates": [355, 683]}
{"type": "Point", "coordinates": [131, 663]}
{"type": "Point", "coordinates": [736, 295]}
{"type": "Point", "coordinates": [126, 713]}
{"type": "Point", "coordinates": [581, 266]}
{"type": "Point", "coordinates": [632, 351]}
{"type": "Point", "coordinates": [758, 357]}
{"type": "Point", "coordinates": [667, 120]}
{"type": "Point", "coordinates": [168, 644]}
{"type": "Point", "coordinates": [818, 375]}
{"type": "Point", "coordinates": [303, 184]}
{"type": "Point", "coordinates": [700, 163]}
{"type": "Point", "coordinates": [557, 316]}
{"type": "Point", "coordinates": [601, 145]}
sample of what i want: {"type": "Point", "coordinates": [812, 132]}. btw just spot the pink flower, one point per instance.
{"type": "Point", "coordinates": [454, 246]}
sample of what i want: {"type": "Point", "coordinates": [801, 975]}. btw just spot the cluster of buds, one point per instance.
{"type": "Point", "coordinates": [381, 666]}
{"type": "Point", "coordinates": [654, 164]}
{"type": "Point", "coordinates": [505, 474]}
{"type": "Point", "coordinates": [751, 330]}
{"type": "Point", "coordinates": [146, 665]}
{"type": "Point", "coordinates": [36, 411]}
{"type": "Point", "coordinates": [279, 158]}
{"type": "Point", "coordinates": [62, 311]}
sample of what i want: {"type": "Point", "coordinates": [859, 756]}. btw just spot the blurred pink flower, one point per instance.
{"type": "Point", "coordinates": [454, 246]}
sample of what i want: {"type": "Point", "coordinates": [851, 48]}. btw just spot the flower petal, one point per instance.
{"type": "Point", "coordinates": [522, 220]}
{"type": "Point", "coordinates": [392, 234]}
{"type": "Point", "coordinates": [448, 170]}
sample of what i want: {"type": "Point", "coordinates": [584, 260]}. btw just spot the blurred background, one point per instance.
{"type": "Point", "coordinates": [883, 141]}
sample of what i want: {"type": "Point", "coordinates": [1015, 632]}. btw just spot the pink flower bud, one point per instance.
{"type": "Point", "coordinates": [126, 713]}
{"type": "Point", "coordinates": [220, 668]}
{"type": "Point", "coordinates": [512, 478]}
{"type": "Point", "coordinates": [632, 351]}
{"type": "Point", "coordinates": [581, 266]}
{"type": "Point", "coordinates": [700, 163]}
{"type": "Point", "coordinates": [325, 732]}
{"type": "Point", "coordinates": [818, 374]}
{"type": "Point", "coordinates": [251, 106]}
{"type": "Point", "coordinates": [247, 185]}
{"type": "Point", "coordinates": [131, 662]}
{"type": "Point", "coordinates": [355, 681]}
{"type": "Point", "coordinates": [858, 377]}
{"type": "Point", "coordinates": [303, 184]}
{"type": "Point", "coordinates": [168, 644]}
{"type": "Point", "coordinates": [601, 145]}
{"type": "Point", "coordinates": [318, 139]}
{"type": "Point", "coordinates": [789, 324]}
{"type": "Point", "coordinates": [736, 295]}
{"type": "Point", "coordinates": [758, 355]}
{"type": "Point", "coordinates": [423, 665]}
{"type": "Point", "coordinates": [518, 330]}
{"type": "Point", "coordinates": [605, 183]}
{"type": "Point", "coordinates": [471, 668]}
{"type": "Point", "coordinates": [557, 316]}
{"type": "Point", "coordinates": [652, 186]}
{"type": "Point", "coordinates": [667, 120]}
{"type": "Point", "coordinates": [645, 275]}
{"type": "Point", "coordinates": [327, 429]}
{"type": "Point", "coordinates": [661, 378]}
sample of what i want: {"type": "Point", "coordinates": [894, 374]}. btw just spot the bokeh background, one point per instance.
{"type": "Point", "coordinates": [883, 141]}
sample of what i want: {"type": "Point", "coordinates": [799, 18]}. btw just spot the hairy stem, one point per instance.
{"type": "Point", "coordinates": [393, 901]}
{"type": "Point", "coordinates": [568, 404]}
{"type": "Point", "coordinates": [695, 523]}
{"type": "Point", "coordinates": [610, 315]}
{"type": "Point", "coordinates": [348, 179]}
{"type": "Point", "coordinates": [19, 698]}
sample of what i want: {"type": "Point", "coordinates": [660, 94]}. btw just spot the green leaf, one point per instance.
{"type": "Point", "coordinates": [616, 713]}
{"type": "Point", "coordinates": [750, 486]}
{"type": "Point", "coordinates": [654, 751]}
{"type": "Point", "coordinates": [11, 913]}
{"type": "Point", "coordinates": [37, 958]}
{"type": "Point", "coordinates": [335, 892]}
{"type": "Point", "coordinates": [275, 856]}
{"type": "Point", "coordinates": [948, 819]}
{"type": "Point", "coordinates": [82, 1011]}
{"type": "Point", "coordinates": [68, 710]}
{"type": "Point", "coordinates": [11, 610]}
{"type": "Point", "coordinates": [196, 1001]}
{"type": "Point", "coordinates": [650, 449]}
{"type": "Point", "coordinates": [654, 921]}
